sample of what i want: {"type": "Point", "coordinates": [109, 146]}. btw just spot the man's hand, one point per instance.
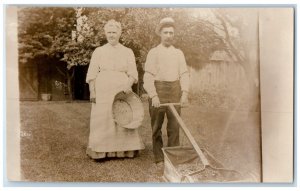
{"type": "Point", "coordinates": [184, 99]}
{"type": "Point", "coordinates": [155, 101]}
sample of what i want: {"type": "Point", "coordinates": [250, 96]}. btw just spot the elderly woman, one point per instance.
{"type": "Point", "coordinates": [112, 69]}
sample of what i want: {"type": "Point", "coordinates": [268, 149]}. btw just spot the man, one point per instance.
{"type": "Point", "coordinates": [166, 80]}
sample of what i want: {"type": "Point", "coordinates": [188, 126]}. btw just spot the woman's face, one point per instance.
{"type": "Point", "coordinates": [112, 35]}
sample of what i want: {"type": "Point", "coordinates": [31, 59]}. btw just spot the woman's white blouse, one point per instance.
{"type": "Point", "coordinates": [114, 58]}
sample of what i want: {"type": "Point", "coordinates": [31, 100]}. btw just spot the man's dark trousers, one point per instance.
{"type": "Point", "coordinates": [168, 92]}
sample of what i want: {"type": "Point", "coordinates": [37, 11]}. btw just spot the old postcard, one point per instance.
{"type": "Point", "coordinates": [149, 94]}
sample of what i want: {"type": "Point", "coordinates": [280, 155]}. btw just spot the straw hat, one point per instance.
{"type": "Point", "coordinates": [128, 110]}
{"type": "Point", "coordinates": [168, 21]}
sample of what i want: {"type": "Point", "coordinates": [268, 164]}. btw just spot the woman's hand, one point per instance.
{"type": "Point", "coordinates": [93, 97]}
{"type": "Point", "coordinates": [93, 100]}
{"type": "Point", "coordinates": [92, 91]}
{"type": "Point", "coordinates": [127, 88]}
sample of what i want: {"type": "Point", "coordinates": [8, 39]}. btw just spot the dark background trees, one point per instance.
{"type": "Point", "coordinates": [70, 34]}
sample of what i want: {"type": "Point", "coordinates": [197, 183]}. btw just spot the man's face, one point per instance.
{"type": "Point", "coordinates": [167, 36]}
{"type": "Point", "coordinates": [112, 35]}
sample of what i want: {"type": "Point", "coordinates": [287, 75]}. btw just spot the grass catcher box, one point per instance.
{"type": "Point", "coordinates": [182, 164]}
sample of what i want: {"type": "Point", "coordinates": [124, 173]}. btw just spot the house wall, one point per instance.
{"type": "Point", "coordinates": [51, 80]}
{"type": "Point", "coordinates": [28, 82]}
{"type": "Point", "coordinates": [81, 88]}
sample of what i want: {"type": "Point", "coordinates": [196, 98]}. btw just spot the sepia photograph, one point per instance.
{"type": "Point", "coordinates": [144, 94]}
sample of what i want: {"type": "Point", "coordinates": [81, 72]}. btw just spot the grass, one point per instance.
{"type": "Point", "coordinates": [54, 137]}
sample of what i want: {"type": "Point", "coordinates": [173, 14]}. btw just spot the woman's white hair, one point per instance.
{"type": "Point", "coordinates": [112, 23]}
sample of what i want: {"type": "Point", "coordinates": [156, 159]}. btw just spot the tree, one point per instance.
{"type": "Point", "coordinates": [194, 36]}
{"type": "Point", "coordinates": [71, 34]}
{"type": "Point", "coordinates": [240, 35]}
{"type": "Point", "coordinates": [45, 33]}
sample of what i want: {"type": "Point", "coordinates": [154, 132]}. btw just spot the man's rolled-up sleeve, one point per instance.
{"type": "Point", "coordinates": [184, 74]}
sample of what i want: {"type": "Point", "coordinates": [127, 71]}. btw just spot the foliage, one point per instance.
{"type": "Point", "coordinates": [195, 37]}
{"type": "Point", "coordinates": [42, 30]}
{"type": "Point", "coordinates": [240, 34]}
{"type": "Point", "coordinates": [48, 31]}
{"type": "Point", "coordinates": [71, 34]}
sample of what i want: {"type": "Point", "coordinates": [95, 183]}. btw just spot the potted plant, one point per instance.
{"type": "Point", "coordinates": [46, 96]}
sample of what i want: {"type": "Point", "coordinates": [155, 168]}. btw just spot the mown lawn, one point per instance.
{"type": "Point", "coordinates": [54, 137]}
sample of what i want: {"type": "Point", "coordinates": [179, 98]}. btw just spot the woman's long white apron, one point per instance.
{"type": "Point", "coordinates": [104, 135]}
